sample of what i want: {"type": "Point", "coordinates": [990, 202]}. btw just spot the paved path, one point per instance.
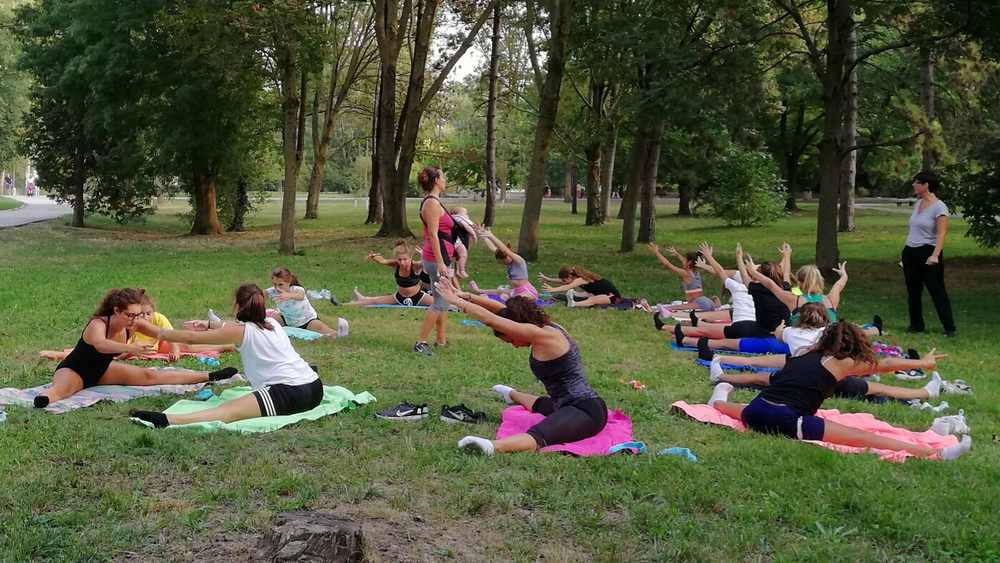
{"type": "Point", "coordinates": [34, 209]}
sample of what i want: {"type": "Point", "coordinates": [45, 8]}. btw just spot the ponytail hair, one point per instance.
{"type": "Point", "coordinates": [118, 299]}
{"type": "Point", "coordinates": [810, 280]}
{"type": "Point", "coordinates": [284, 274]}
{"type": "Point", "coordinates": [428, 177]}
{"type": "Point", "coordinates": [578, 272]}
{"type": "Point", "coordinates": [813, 315]}
{"type": "Point", "coordinates": [250, 307]}
{"type": "Point", "coordinates": [845, 340]}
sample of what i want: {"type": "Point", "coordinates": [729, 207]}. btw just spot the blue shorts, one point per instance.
{"type": "Point", "coordinates": [704, 303]}
{"type": "Point", "coordinates": [763, 346]}
{"type": "Point", "coordinates": [769, 418]}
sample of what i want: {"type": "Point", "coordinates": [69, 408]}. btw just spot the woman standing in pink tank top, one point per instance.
{"type": "Point", "coordinates": [437, 254]}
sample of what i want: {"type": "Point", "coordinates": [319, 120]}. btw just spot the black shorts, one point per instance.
{"type": "Point", "coordinates": [568, 423]}
{"type": "Point", "coordinates": [90, 374]}
{"type": "Point", "coordinates": [281, 399]}
{"type": "Point", "coordinates": [746, 329]}
{"type": "Point", "coordinates": [305, 324]}
{"type": "Point", "coordinates": [410, 301]}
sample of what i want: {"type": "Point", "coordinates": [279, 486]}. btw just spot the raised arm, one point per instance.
{"type": "Point", "coordinates": [838, 286]}
{"type": "Point", "coordinates": [741, 265]}
{"type": "Point", "coordinates": [681, 272]}
{"type": "Point", "coordinates": [708, 253]}
{"type": "Point", "coordinates": [786, 297]}
{"type": "Point", "coordinates": [499, 245]}
{"type": "Point", "coordinates": [477, 310]}
{"type": "Point", "coordinates": [786, 262]}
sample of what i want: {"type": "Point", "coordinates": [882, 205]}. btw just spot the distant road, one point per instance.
{"type": "Point", "coordinates": [35, 209]}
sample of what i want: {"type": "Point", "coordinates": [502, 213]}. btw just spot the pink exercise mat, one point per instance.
{"type": "Point", "coordinates": [517, 420]}
{"type": "Point", "coordinates": [861, 421]}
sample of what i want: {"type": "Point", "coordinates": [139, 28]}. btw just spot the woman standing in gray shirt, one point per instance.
{"type": "Point", "coordinates": [923, 262]}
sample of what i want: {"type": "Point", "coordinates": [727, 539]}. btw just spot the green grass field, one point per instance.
{"type": "Point", "coordinates": [8, 203]}
{"type": "Point", "coordinates": [90, 485]}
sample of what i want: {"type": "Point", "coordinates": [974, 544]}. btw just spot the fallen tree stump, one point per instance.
{"type": "Point", "coordinates": [320, 537]}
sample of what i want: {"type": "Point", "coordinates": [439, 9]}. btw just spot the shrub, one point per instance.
{"type": "Point", "coordinates": [746, 189]}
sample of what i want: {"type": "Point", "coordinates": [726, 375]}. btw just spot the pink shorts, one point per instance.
{"type": "Point", "coordinates": [526, 290]}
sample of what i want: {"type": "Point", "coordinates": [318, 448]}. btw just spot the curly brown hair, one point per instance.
{"type": "Point", "coordinates": [846, 340]}
{"type": "Point", "coordinates": [523, 310]}
{"type": "Point", "coordinates": [813, 315]}
{"type": "Point", "coordinates": [118, 299]}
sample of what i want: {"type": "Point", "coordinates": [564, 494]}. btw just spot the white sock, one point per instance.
{"type": "Point", "coordinates": [933, 386]}
{"type": "Point", "coordinates": [954, 452]}
{"type": "Point", "coordinates": [569, 298]}
{"type": "Point", "coordinates": [478, 445]}
{"type": "Point", "coordinates": [213, 320]}
{"type": "Point", "coordinates": [715, 370]}
{"type": "Point", "coordinates": [504, 391]}
{"type": "Point", "coordinates": [343, 327]}
{"type": "Point", "coordinates": [720, 393]}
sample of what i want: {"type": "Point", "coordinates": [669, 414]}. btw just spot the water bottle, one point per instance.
{"type": "Point", "coordinates": [209, 361]}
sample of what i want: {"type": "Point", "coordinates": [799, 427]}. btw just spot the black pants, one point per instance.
{"type": "Point", "coordinates": [918, 274]}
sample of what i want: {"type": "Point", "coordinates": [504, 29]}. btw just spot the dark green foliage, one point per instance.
{"type": "Point", "coordinates": [746, 189]}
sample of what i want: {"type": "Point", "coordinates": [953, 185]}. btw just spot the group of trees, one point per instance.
{"type": "Point", "coordinates": [722, 101]}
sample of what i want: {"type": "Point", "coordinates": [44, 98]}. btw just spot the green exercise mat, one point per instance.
{"type": "Point", "coordinates": [335, 399]}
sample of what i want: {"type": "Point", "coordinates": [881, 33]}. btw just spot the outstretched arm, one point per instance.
{"type": "Point", "coordinates": [477, 310]}
{"type": "Point", "coordinates": [888, 365]}
{"type": "Point", "coordinates": [229, 334]}
{"type": "Point", "coordinates": [681, 272]}
{"type": "Point", "coordinates": [708, 253]}
{"type": "Point", "coordinates": [565, 287]}
{"type": "Point", "coordinates": [498, 244]}
{"type": "Point", "coordinates": [96, 334]}
{"type": "Point", "coordinates": [379, 259]}
{"type": "Point", "coordinates": [838, 286]}
{"type": "Point", "coordinates": [786, 262]}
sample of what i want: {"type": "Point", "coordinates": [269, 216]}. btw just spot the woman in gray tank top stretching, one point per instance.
{"type": "Point", "coordinates": [573, 410]}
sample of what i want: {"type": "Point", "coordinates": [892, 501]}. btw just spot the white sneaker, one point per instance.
{"type": "Point", "coordinates": [569, 298]}
{"type": "Point", "coordinates": [343, 328]}
{"type": "Point", "coordinates": [956, 387]}
{"type": "Point", "coordinates": [477, 445]}
{"type": "Point", "coordinates": [954, 424]}
{"type": "Point", "coordinates": [715, 370]}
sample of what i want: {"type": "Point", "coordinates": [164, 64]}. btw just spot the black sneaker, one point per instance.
{"type": "Point", "coordinates": [423, 348]}
{"type": "Point", "coordinates": [404, 411]}
{"type": "Point", "coordinates": [694, 318]}
{"type": "Point", "coordinates": [333, 299]}
{"type": "Point", "coordinates": [461, 413]}
{"type": "Point", "coordinates": [878, 323]}
{"type": "Point", "coordinates": [704, 352]}
{"type": "Point", "coordinates": [657, 321]}
{"type": "Point", "coordinates": [679, 335]}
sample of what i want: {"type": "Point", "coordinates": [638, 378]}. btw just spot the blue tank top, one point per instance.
{"type": "Point", "coordinates": [564, 378]}
{"type": "Point", "coordinates": [793, 318]}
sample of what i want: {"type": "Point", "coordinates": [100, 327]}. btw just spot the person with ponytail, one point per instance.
{"type": "Point", "coordinates": [517, 270]}
{"type": "Point", "coordinates": [438, 252]}
{"type": "Point", "coordinates": [602, 292]}
{"type": "Point", "coordinates": [788, 405]}
{"type": "Point", "coordinates": [105, 338]}
{"type": "Point", "coordinates": [294, 307]}
{"type": "Point", "coordinates": [409, 276]}
{"type": "Point", "coordinates": [283, 383]}
{"type": "Point", "coordinates": [573, 410]}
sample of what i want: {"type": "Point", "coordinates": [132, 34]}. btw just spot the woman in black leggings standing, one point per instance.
{"type": "Point", "coordinates": [573, 410]}
{"type": "Point", "coordinates": [923, 261]}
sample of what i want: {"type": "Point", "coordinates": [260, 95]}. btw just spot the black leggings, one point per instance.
{"type": "Point", "coordinates": [568, 423]}
{"type": "Point", "coordinates": [918, 274]}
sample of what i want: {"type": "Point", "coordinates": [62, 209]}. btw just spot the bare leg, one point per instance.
{"type": "Point", "coordinates": [195, 348]}
{"type": "Point", "coordinates": [440, 325]}
{"type": "Point", "coordinates": [526, 400]}
{"type": "Point", "coordinates": [713, 331]}
{"type": "Point", "coordinates": [430, 321]}
{"type": "Point", "coordinates": [734, 410]}
{"type": "Point", "coordinates": [380, 300]}
{"type": "Point", "coordinates": [516, 443]}
{"type": "Point", "coordinates": [847, 436]}
{"type": "Point", "coordinates": [65, 383]}
{"type": "Point", "coordinates": [321, 327]}
{"type": "Point", "coordinates": [759, 379]}
{"type": "Point", "coordinates": [714, 316]}
{"type": "Point", "coordinates": [903, 393]}
{"type": "Point", "coordinates": [237, 409]}
{"type": "Point", "coordinates": [54, 355]}
{"type": "Point", "coordinates": [125, 374]}
{"type": "Point", "coordinates": [769, 361]}
{"type": "Point", "coordinates": [595, 300]}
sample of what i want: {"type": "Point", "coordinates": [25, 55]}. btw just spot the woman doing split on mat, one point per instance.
{"type": "Point", "coordinates": [282, 382]}
{"type": "Point", "coordinates": [602, 292]}
{"type": "Point", "coordinates": [437, 255]}
{"type": "Point", "coordinates": [788, 405]}
{"type": "Point", "coordinates": [517, 270]}
{"type": "Point", "coordinates": [92, 361]}
{"type": "Point", "coordinates": [409, 279]}
{"type": "Point", "coordinates": [296, 311]}
{"type": "Point", "coordinates": [694, 295]}
{"type": "Point", "coordinates": [573, 410]}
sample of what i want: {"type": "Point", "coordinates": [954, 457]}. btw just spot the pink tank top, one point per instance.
{"type": "Point", "coordinates": [445, 225]}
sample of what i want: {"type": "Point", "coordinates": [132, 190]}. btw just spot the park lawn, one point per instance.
{"type": "Point", "coordinates": [89, 485]}
{"type": "Point", "coordinates": [8, 203]}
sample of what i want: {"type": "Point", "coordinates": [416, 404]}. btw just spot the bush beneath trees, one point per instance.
{"type": "Point", "coordinates": [746, 189]}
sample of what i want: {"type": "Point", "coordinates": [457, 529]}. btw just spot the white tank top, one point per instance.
{"type": "Point", "coordinates": [269, 358]}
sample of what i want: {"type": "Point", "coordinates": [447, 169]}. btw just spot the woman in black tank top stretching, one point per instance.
{"type": "Point", "coordinates": [410, 279]}
{"type": "Point", "coordinates": [92, 361]}
{"type": "Point", "coordinates": [788, 405]}
{"type": "Point", "coordinates": [573, 410]}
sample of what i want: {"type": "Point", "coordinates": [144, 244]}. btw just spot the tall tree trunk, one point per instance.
{"type": "Point", "coordinates": [792, 154]}
{"type": "Point", "coordinates": [849, 169]}
{"type": "Point", "coordinates": [684, 199]}
{"type": "Point", "coordinates": [572, 187]}
{"type": "Point", "coordinates": [647, 211]}
{"type": "Point", "coordinates": [291, 142]}
{"type": "Point", "coordinates": [594, 185]}
{"type": "Point", "coordinates": [839, 23]}
{"type": "Point", "coordinates": [547, 107]}
{"type": "Point", "coordinates": [608, 148]}
{"type": "Point", "coordinates": [491, 122]}
{"type": "Point", "coordinates": [375, 191]}
{"type": "Point", "coordinates": [79, 205]}
{"type": "Point", "coordinates": [206, 214]}
{"type": "Point", "coordinates": [630, 198]}
{"type": "Point", "coordinates": [319, 157]}
{"type": "Point", "coordinates": [927, 102]}
{"type": "Point", "coordinates": [240, 206]}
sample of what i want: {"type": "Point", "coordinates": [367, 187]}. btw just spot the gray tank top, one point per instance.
{"type": "Point", "coordinates": [564, 378]}
{"type": "Point", "coordinates": [517, 270]}
{"type": "Point", "coordinates": [694, 284]}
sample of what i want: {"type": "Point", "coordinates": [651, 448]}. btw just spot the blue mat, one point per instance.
{"type": "Point", "coordinates": [734, 367]}
{"type": "Point", "coordinates": [674, 346]}
{"type": "Point", "coordinates": [395, 306]}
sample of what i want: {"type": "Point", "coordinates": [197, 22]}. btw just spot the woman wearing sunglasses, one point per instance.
{"type": "Point", "coordinates": [92, 361]}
